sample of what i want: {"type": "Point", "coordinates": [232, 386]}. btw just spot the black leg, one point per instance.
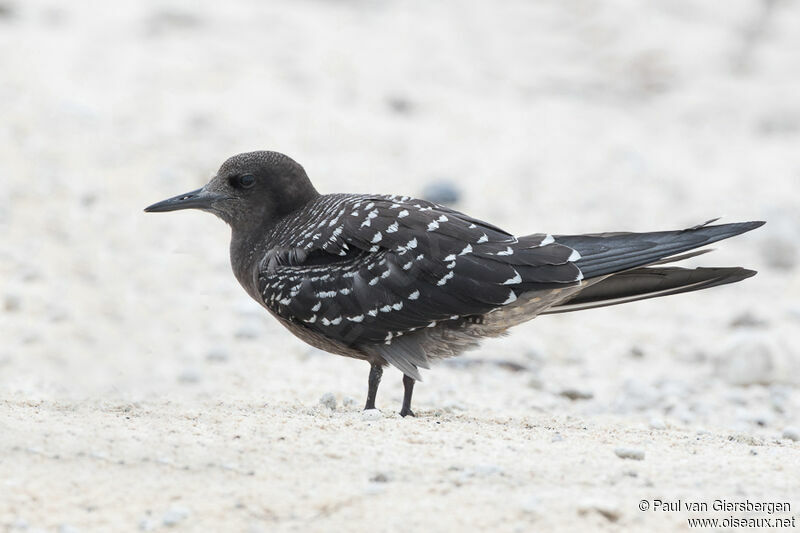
{"type": "Point", "coordinates": [375, 373]}
{"type": "Point", "coordinates": [408, 386]}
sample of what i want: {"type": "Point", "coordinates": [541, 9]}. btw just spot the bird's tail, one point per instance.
{"type": "Point", "coordinates": [607, 253]}
{"type": "Point", "coordinates": [623, 264]}
{"type": "Point", "coordinates": [649, 282]}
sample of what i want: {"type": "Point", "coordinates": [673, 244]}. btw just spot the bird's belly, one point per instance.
{"type": "Point", "coordinates": [319, 341]}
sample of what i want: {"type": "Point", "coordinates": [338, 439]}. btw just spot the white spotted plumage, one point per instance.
{"type": "Point", "coordinates": [517, 279]}
{"type": "Point", "coordinates": [418, 266]}
{"type": "Point", "coordinates": [445, 278]}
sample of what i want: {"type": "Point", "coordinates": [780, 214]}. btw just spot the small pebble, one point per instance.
{"type": "Point", "coordinates": [637, 396]}
{"type": "Point", "coordinates": [217, 355]}
{"type": "Point", "coordinates": [783, 123]}
{"type": "Point", "coordinates": [167, 20]}
{"type": "Point", "coordinates": [752, 357]}
{"type": "Point", "coordinates": [349, 402]}
{"type": "Point", "coordinates": [607, 510]}
{"type": "Point", "coordinates": [371, 414]}
{"type": "Point", "coordinates": [778, 396]}
{"type": "Point", "coordinates": [174, 516]}
{"type": "Point", "coordinates": [747, 320]}
{"type": "Point", "coordinates": [575, 394]}
{"type": "Point", "coordinates": [511, 366]}
{"type": "Point", "coordinates": [189, 376]}
{"type": "Point", "coordinates": [328, 400]}
{"type": "Point", "coordinates": [483, 470]}
{"type": "Point", "coordinates": [780, 252]}
{"type": "Point", "coordinates": [746, 438]}
{"type": "Point", "coordinates": [441, 192]}
{"type": "Point", "coordinates": [536, 383]}
{"type": "Point", "coordinates": [6, 10]}
{"type": "Point", "coordinates": [657, 423]}
{"type": "Point", "coordinates": [11, 303]}
{"type": "Point", "coordinates": [88, 199]}
{"type": "Point", "coordinates": [400, 105]}
{"type": "Point", "coordinates": [380, 477]}
{"type": "Point", "coordinates": [791, 433]}
{"type": "Point", "coordinates": [530, 504]}
{"type": "Point", "coordinates": [246, 333]}
{"type": "Point", "coordinates": [630, 453]}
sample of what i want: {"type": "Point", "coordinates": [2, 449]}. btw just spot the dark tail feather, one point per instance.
{"type": "Point", "coordinates": [606, 253]}
{"type": "Point", "coordinates": [652, 282]}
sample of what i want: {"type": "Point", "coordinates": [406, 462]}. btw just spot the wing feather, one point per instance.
{"type": "Point", "coordinates": [378, 268]}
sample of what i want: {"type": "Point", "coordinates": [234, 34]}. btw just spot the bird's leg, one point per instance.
{"type": "Point", "coordinates": [375, 373]}
{"type": "Point", "coordinates": [408, 386]}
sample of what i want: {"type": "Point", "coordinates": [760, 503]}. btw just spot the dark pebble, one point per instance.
{"type": "Point", "coordinates": [441, 192]}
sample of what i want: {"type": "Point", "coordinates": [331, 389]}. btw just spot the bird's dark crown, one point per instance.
{"type": "Point", "coordinates": [258, 188]}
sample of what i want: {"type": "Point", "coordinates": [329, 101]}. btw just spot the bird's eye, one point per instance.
{"type": "Point", "coordinates": [246, 181]}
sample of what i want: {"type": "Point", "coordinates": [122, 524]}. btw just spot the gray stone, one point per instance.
{"type": "Point", "coordinates": [753, 357]}
{"type": "Point", "coordinates": [442, 192]}
{"type": "Point", "coordinates": [607, 510]}
{"type": "Point", "coordinates": [189, 376]}
{"type": "Point", "coordinates": [174, 516]}
{"type": "Point", "coordinates": [349, 402]}
{"type": "Point", "coordinates": [779, 252]}
{"type": "Point", "coordinates": [636, 395]}
{"type": "Point", "coordinates": [483, 470]}
{"type": "Point", "coordinates": [12, 303]}
{"type": "Point", "coordinates": [380, 477]}
{"type": "Point", "coordinates": [371, 414]}
{"type": "Point", "coordinates": [217, 355]}
{"type": "Point", "coordinates": [328, 400]}
{"type": "Point", "coordinates": [791, 433]}
{"type": "Point", "coordinates": [630, 453]}
{"type": "Point", "coordinates": [747, 320]}
{"type": "Point", "coordinates": [400, 105]}
{"type": "Point", "coordinates": [247, 333]}
{"type": "Point", "coordinates": [576, 394]}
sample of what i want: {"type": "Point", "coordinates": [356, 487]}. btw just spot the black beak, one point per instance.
{"type": "Point", "coordinates": [199, 199]}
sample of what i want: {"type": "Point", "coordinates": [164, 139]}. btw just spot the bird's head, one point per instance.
{"type": "Point", "coordinates": [250, 189]}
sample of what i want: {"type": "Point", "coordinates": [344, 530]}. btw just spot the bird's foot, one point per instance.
{"type": "Point", "coordinates": [404, 412]}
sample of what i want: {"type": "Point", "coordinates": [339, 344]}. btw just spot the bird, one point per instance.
{"type": "Point", "coordinates": [395, 280]}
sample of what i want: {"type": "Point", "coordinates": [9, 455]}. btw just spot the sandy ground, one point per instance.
{"type": "Point", "coordinates": [140, 388]}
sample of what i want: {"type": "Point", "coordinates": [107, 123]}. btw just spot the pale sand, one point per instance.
{"type": "Point", "coordinates": [141, 389]}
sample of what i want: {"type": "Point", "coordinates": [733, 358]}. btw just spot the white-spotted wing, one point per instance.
{"type": "Point", "coordinates": [366, 269]}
